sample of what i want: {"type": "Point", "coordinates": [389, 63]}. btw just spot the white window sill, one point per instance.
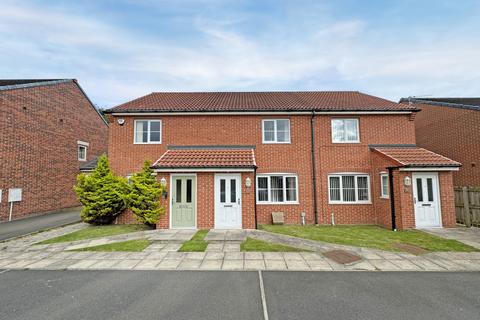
{"type": "Point", "coordinates": [278, 203]}
{"type": "Point", "coordinates": [345, 142]}
{"type": "Point", "coordinates": [354, 203]}
{"type": "Point", "coordinates": [84, 160]}
{"type": "Point", "coordinates": [266, 142]}
{"type": "Point", "coordinates": [147, 143]}
{"type": "Point", "coordinates": [384, 197]}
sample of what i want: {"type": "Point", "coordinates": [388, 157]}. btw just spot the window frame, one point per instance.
{"type": "Point", "coordinates": [149, 121]}
{"type": "Point", "coordinates": [284, 188]}
{"type": "Point", "coordinates": [383, 195]}
{"type": "Point", "coordinates": [275, 131]}
{"type": "Point", "coordinates": [82, 145]}
{"type": "Point", "coordinates": [345, 141]}
{"type": "Point", "coordinates": [356, 175]}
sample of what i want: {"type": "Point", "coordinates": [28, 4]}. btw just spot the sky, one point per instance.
{"type": "Point", "coordinates": [119, 50]}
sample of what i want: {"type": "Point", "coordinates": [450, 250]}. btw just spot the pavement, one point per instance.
{"type": "Point", "coordinates": [26, 226]}
{"type": "Point", "coordinates": [222, 253]}
{"type": "Point", "coordinates": [238, 295]}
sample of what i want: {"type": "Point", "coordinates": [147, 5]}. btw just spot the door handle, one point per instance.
{"type": "Point", "coordinates": [238, 201]}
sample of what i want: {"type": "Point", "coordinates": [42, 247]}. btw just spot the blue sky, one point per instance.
{"type": "Point", "coordinates": [120, 50]}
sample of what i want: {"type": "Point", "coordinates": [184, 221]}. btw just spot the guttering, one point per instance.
{"type": "Point", "coordinates": [427, 168]}
{"type": "Point", "coordinates": [392, 197]}
{"type": "Point", "coordinates": [213, 169]}
{"type": "Point", "coordinates": [240, 113]}
{"type": "Point", "coordinates": [314, 166]}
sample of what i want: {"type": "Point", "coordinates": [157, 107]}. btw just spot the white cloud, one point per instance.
{"type": "Point", "coordinates": [115, 64]}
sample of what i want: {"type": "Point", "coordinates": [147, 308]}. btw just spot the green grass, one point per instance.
{"type": "Point", "coordinates": [370, 236]}
{"type": "Point", "coordinates": [131, 246]}
{"type": "Point", "coordinates": [93, 232]}
{"type": "Point", "coordinates": [196, 244]}
{"type": "Point", "coordinates": [263, 246]}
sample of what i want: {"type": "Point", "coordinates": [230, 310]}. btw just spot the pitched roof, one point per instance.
{"type": "Point", "coordinates": [415, 157]}
{"type": "Point", "coordinates": [259, 101]}
{"type": "Point", "coordinates": [89, 165]}
{"type": "Point", "coordinates": [463, 103]}
{"type": "Point", "coordinates": [207, 157]}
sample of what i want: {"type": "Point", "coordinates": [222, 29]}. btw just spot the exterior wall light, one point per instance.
{"type": "Point", "coordinates": [407, 181]}
{"type": "Point", "coordinates": [163, 182]}
{"type": "Point", "coordinates": [120, 121]}
{"type": "Point", "coordinates": [248, 182]}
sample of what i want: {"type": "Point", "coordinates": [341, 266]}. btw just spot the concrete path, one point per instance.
{"type": "Point", "coordinates": [167, 295]}
{"type": "Point", "coordinates": [470, 236]}
{"type": "Point", "coordinates": [25, 226]}
{"type": "Point", "coordinates": [162, 254]}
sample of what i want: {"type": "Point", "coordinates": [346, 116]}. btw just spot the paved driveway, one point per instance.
{"type": "Point", "coordinates": [470, 236]}
{"type": "Point", "coordinates": [237, 295]}
{"type": "Point", "coordinates": [28, 225]}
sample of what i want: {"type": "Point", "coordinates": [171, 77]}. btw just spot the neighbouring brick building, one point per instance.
{"type": "Point", "coordinates": [231, 159]}
{"type": "Point", "coordinates": [451, 126]}
{"type": "Point", "coordinates": [49, 130]}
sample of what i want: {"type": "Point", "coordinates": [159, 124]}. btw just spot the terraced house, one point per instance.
{"type": "Point", "coordinates": [232, 159]}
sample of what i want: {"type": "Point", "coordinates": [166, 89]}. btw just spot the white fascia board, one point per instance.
{"type": "Point", "coordinates": [203, 170]}
{"type": "Point", "coordinates": [430, 169]}
{"type": "Point", "coordinates": [256, 113]}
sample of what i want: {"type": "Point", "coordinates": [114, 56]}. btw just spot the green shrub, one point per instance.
{"type": "Point", "coordinates": [102, 194]}
{"type": "Point", "coordinates": [144, 196]}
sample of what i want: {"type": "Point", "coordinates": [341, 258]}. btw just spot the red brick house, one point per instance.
{"type": "Point", "coordinates": [50, 129]}
{"type": "Point", "coordinates": [231, 159]}
{"type": "Point", "coordinates": [451, 126]}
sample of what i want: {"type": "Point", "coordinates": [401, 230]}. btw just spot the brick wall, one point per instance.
{"type": "Point", "coordinates": [126, 157]}
{"type": "Point", "coordinates": [38, 145]}
{"type": "Point", "coordinates": [454, 133]}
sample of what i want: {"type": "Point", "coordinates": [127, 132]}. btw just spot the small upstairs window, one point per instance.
{"type": "Point", "coordinates": [82, 150]}
{"type": "Point", "coordinates": [345, 131]}
{"type": "Point", "coordinates": [276, 131]}
{"type": "Point", "coordinates": [148, 132]}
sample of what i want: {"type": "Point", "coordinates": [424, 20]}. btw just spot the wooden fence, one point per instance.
{"type": "Point", "coordinates": [467, 206]}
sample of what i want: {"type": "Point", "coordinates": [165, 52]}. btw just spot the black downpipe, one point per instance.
{"type": "Point", "coordinates": [392, 198]}
{"type": "Point", "coordinates": [314, 166]}
{"type": "Point", "coordinates": [255, 194]}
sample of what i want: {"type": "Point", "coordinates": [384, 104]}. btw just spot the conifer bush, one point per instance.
{"type": "Point", "coordinates": [144, 196]}
{"type": "Point", "coordinates": [102, 194]}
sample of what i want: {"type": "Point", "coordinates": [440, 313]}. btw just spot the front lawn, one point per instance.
{"type": "Point", "coordinates": [92, 232]}
{"type": "Point", "coordinates": [130, 245]}
{"type": "Point", "coordinates": [196, 244]}
{"type": "Point", "coordinates": [262, 246]}
{"type": "Point", "coordinates": [370, 236]}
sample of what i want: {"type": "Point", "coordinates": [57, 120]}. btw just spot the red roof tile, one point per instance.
{"type": "Point", "coordinates": [416, 157]}
{"type": "Point", "coordinates": [260, 101]}
{"type": "Point", "coordinates": [207, 158]}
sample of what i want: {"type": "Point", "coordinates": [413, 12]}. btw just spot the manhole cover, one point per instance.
{"type": "Point", "coordinates": [342, 256]}
{"type": "Point", "coordinates": [410, 248]}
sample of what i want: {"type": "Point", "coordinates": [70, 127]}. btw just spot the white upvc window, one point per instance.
{"type": "Point", "coordinates": [82, 150]}
{"type": "Point", "coordinates": [384, 186]}
{"type": "Point", "coordinates": [277, 189]}
{"type": "Point", "coordinates": [345, 131]}
{"type": "Point", "coordinates": [276, 131]}
{"type": "Point", "coordinates": [148, 132]}
{"type": "Point", "coordinates": [348, 188]}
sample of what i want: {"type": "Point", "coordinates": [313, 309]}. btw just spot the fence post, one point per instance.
{"type": "Point", "coordinates": [466, 207]}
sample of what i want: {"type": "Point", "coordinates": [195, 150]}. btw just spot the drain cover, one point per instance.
{"type": "Point", "coordinates": [342, 256]}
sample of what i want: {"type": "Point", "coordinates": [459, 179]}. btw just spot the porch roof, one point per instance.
{"type": "Point", "coordinates": [235, 157]}
{"type": "Point", "coordinates": [412, 156]}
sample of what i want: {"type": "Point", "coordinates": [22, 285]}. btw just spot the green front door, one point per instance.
{"type": "Point", "coordinates": [183, 201]}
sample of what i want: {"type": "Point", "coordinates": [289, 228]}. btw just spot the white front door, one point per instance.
{"type": "Point", "coordinates": [228, 197]}
{"type": "Point", "coordinates": [426, 200]}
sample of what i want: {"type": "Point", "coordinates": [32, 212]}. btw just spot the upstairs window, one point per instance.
{"type": "Point", "coordinates": [384, 192]}
{"type": "Point", "coordinates": [82, 150]}
{"type": "Point", "coordinates": [148, 131]}
{"type": "Point", "coordinates": [349, 188]}
{"type": "Point", "coordinates": [277, 189]}
{"type": "Point", "coordinates": [276, 131]}
{"type": "Point", "coordinates": [345, 131]}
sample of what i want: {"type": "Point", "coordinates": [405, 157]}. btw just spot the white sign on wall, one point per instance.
{"type": "Point", "coordinates": [14, 194]}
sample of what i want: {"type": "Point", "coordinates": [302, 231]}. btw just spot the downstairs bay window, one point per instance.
{"type": "Point", "coordinates": [277, 189]}
{"type": "Point", "coordinates": [349, 188]}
